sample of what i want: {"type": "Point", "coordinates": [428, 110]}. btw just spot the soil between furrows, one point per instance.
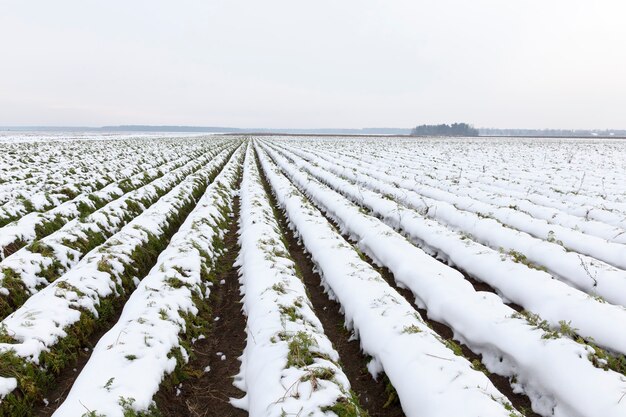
{"type": "Point", "coordinates": [477, 284]}
{"type": "Point", "coordinates": [65, 379]}
{"type": "Point", "coordinates": [372, 394]}
{"type": "Point", "coordinates": [520, 402]}
{"type": "Point", "coordinates": [207, 394]}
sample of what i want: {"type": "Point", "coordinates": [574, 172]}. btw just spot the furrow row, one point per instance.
{"type": "Point", "coordinates": [540, 363]}
{"type": "Point", "coordinates": [41, 337]}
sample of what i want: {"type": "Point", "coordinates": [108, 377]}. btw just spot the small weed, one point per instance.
{"type": "Point", "coordinates": [109, 383]}
{"type": "Point", "coordinates": [279, 288]}
{"type": "Point", "coordinates": [411, 329]}
{"type": "Point", "coordinates": [291, 312]}
{"type": "Point", "coordinates": [300, 354]}
{"type": "Point", "coordinates": [347, 407]}
{"type": "Point", "coordinates": [520, 258]}
{"type": "Point", "coordinates": [453, 346]}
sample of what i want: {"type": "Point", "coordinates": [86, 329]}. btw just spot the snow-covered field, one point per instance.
{"type": "Point", "coordinates": [372, 276]}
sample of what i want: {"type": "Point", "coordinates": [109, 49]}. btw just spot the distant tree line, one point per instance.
{"type": "Point", "coordinates": [455, 129]}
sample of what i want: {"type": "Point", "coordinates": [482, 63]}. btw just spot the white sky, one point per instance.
{"type": "Point", "coordinates": [323, 63]}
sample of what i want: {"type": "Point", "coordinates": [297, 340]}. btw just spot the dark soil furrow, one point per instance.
{"type": "Point", "coordinates": [442, 257]}
{"type": "Point", "coordinates": [519, 401]}
{"type": "Point", "coordinates": [56, 393]}
{"type": "Point", "coordinates": [214, 359]}
{"type": "Point", "coordinates": [373, 395]}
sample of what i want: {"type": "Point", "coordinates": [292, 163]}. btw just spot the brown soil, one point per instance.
{"type": "Point", "coordinates": [207, 393]}
{"type": "Point", "coordinates": [371, 393]}
{"type": "Point", "coordinates": [12, 247]}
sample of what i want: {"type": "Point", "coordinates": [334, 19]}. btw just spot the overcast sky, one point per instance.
{"type": "Point", "coordinates": [322, 63]}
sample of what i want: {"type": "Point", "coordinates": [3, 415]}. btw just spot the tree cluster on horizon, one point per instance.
{"type": "Point", "coordinates": [454, 129]}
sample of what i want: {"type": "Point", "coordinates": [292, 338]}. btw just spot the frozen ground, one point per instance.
{"type": "Point", "coordinates": [377, 275]}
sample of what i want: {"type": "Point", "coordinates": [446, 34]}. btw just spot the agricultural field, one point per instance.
{"type": "Point", "coordinates": [312, 276]}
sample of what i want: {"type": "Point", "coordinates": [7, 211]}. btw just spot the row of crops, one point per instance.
{"type": "Point", "coordinates": [479, 277]}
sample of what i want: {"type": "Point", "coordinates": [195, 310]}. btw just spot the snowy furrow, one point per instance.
{"type": "Point", "coordinates": [510, 207]}
{"type": "Point", "coordinates": [34, 171]}
{"type": "Point", "coordinates": [46, 187]}
{"type": "Point", "coordinates": [515, 212]}
{"type": "Point", "coordinates": [40, 337]}
{"type": "Point", "coordinates": [34, 266]}
{"type": "Point", "coordinates": [555, 372]}
{"type": "Point", "coordinates": [584, 272]}
{"type": "Point", "coordinates": [440, 173]}
{"type": "Point", "coordinates": [49, 199]}
{"type": "Point", "coordinates": [572, 183]}
{"type": "Point", "coordinates": [533, 289]}
{"type": "Point", "coordinates": [132, 359]}
{"type": "Point", "coordinates": [588, 209]}
{"type": "Point", "coordinates": [36, 225]}
{"type": "Point", "coordinates": [549, 189]}
{"type": "Point", "coordinates": [534, 155]}
{"type": "Point", "coordinates": [429, 378]}
{"type": "Point", "coordinates": [395, 162]}
{"type": "Point", "coordinates": [289, 366]}
{"type": "Point", "coordinates": [592, 219]}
